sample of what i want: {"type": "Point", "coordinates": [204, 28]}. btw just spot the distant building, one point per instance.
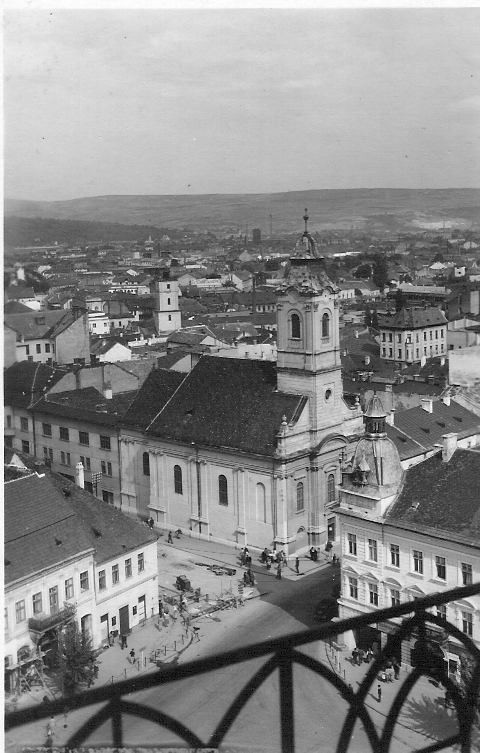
{"type": "Point", "coordinates": [256, 236]}
{"type": "Point", "coordinates": [408, 335]}
{"type": "Point", "coordinates": [52, 337]}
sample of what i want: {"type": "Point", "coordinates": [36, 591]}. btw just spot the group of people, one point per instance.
{"type": "Point", "coordinates": [359, 656]}
{"type": "Point", "coordinates": [245, 558]}
{"type": "Point", "coordinates": [313, 554]}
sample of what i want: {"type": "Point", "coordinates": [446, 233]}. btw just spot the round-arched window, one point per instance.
{"type": "Point", "coordinates": [325, 325]}
{"type": "Point", "coordinates": [300, 497]}
{"type": "Point", "coordinates": [222, 490]}
{"type": "Point", "coordinates": [296, 327]}
{"type": "Point", "coordinates": [261, 503]}
{"type": "Point", "coordinates": [177, 479]}
{"type": "Point", "coordinates": [331, 488]}
{"type": "Point", "coordinates": [146, 464]}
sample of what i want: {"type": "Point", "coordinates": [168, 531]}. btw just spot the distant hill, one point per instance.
{"type": "Point", "coordinates": [392, 209]}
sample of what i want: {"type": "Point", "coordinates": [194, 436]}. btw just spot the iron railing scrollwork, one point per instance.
{"type": "Point", "coordinates": [282, 655]}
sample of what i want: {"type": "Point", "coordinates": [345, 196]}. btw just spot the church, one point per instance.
{"type": "Point", "coordinates": [249, 452]}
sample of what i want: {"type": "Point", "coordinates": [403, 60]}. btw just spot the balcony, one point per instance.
{"type": "Point", "coordinates": [41, 623]}
{"type": "Point", "coordinates": [280, 666]}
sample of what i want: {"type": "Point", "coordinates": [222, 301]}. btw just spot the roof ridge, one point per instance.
{"type": "Point", "coordinates": [172, 395]}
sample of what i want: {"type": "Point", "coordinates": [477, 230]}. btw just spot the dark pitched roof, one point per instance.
{"type": "Point", "coordinates": [86, 404]}
{"type": "Point", "coordinates": [25, 382]}
{"type": "Point", "coordinates": [15, 292]}
{"type": "Point", "coordinates": [229, 403]}
{"type": "Point", "coordinates": [14, 307]}
{"type": "Point", "coordinates": [411, 318]}
{"type": "Point", "coordinates": [39, 324]}
{"type": "Point", "coordinates": [158, 387]}
{"type": "Point", "coordinates": [442, 496]}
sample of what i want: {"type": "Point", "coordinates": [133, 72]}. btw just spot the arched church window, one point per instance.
{"type": "Point", "coordinates": [325, 325]}
{"type": "Point", "coordinates": [300, 497]}
{"type": "Point", "coordinates": [146, 464]}
{"type": "Point", "coordinates": [222, 490]}
{"type": "Point", "coordinates": [331, 488]}
{"type": "Point", "coordinates": [177, 479]}
{"type": "Point", "coordinates": [296, 327]}
{"type": "Point", "coordinates": [261, 506]}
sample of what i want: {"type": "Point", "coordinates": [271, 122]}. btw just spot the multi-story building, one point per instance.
{"type": "Point", "coordinates": [411, 334]}
{"type": "Point", "coordinates": [408, 534]}
{"type": "Point", "coordinates": [69, 556]}
{"type": "Point", "coordinates": [51, 337]}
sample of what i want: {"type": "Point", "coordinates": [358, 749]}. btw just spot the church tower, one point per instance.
{"type": "Point", "coordinates": [308, 339]}
{"type": "Point", "coordinates": [166, 314]}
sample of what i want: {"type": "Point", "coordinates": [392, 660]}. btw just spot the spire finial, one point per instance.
{"type": "Point", "coordinates": [305, 217]}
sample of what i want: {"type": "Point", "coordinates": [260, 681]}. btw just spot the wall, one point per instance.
{"type": "Point", "coordinates": [9, 347]}
{"type": "Point", "coordinates": [464, 366]}
{"type": "Point", "coordinates": [74, 342]}
{"type": "Point", "coordinates": [96, 376]}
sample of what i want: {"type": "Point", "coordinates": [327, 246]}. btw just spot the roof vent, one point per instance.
{"type": "Point", "coordinates": [414, 505]}
{"type": "Point", "coordinates": [57, 541]}
{"type": "Point", "coordinates": [67, 492]}
{"type": "Point", "coordinates": [6, 562]}
{"type": "Point", "coordinates": [97, 533]}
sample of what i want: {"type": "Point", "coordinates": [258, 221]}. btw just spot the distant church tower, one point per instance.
{"type": "Point", "coordinates": [308, 339]}
{"type": "Point", "coordinates": [166, 314]}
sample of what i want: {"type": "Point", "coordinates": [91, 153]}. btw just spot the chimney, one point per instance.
{"type": "Point", "coordinates": [442, 361]}
{"type": "Point", "coordinates": [107, 391]}
{"type": "Point", "coordinates": [391, 418]}
{"type": "Point", "coordinates": [449, 445]}
{"type": "Point", "coordinates": [427, 405]}
{"type": "Point", "coordinates": [423, 361]}
{"type": "Point", "coordinates": [80, 477]}
{"type": "Point", "coordinates": [356, 333]}
{"type": "Point", "coordinates": [446, 399]}
{"type": "Point", "coordinates": [367, 360]}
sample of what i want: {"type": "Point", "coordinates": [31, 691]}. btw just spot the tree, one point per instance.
{"type": "Point", "coordinates": [368, 316]}
{"type": "Point", "coordinates": [375, 323]}
{"type": "Point", "coordinates": [399, 300]}
{"type": "Point", "coordinates": [380, 271]}
{"type": "Point", "coordinates": [272, 265]}
{"type": "Point", "coordinates": [77, 658]}
{"type": "Point", "coordinates": [363, 272]}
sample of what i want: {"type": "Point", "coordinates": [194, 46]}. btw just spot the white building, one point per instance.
{"type": "Point", "coordinates": [413, 333]}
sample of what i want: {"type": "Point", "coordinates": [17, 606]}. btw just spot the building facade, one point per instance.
{"type": "Point", "coordinates": [412, 334]}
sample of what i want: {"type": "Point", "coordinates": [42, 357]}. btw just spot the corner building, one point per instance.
{"type": "Point", "coordinates": [249, 452]}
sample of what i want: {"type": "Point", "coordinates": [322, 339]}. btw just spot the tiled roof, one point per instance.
{"type": "Point", "coordinates": [169, 360]}
{"type": "Point", "coordinates": [25, 382]}
{"type": "Point", "coordinates": [86, 404]}
{"type": "Point", "coordinates": [14, 307]}
{"type": "Point", "coordinates": [14, 293]}
{"type": "Point", "coordinates": [104, 345]}
{"type": "Point", "coordinates": [411, 318]}
{"type": "Point", "coordinates": [39, 324]}
{"type": "Point", "coordinates": [427, 429]}
{"type": "Point", "coordinates": [442, 496]}
{"type": "Point", "coordinates": [227, 403]}
{"type": "Point", "coordinates": [157, 388]}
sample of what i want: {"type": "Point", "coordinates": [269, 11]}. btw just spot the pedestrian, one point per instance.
{"type": "Point", "coordinates": [151, 522]}
{"type": "Point", "coordinates": [396, 669]}
{"type": "Point", "coordinates": [269, 563]}
{"type": "Point", "coordinates": [297, 566]}
{"type": "Point", "coordinates": [350, 687]}
{"type": "Point", "coordinates": [169, 538]}
{"type": "Point", "coordinates": [174, 612]}
{"type": "Point", "coordinates": [264, 555]}
{"type": "Point", "coordinates": [279, 571]}
{"type": "Point", "coordinates": [95, 670]}
{"type": "Point", "coordinates": [334, 559]}
{"type": "Point", "coordinates": [355, 656]}
{"type": "Point", "coordinates": [361, 654]}
{"type": "Point", "coordinates": [315, 555]}
{"type": "Point", "coordinates": [123, 638]}
{"type": "Point", "coordinates": [251, 577]}
{"type": "Point", "coordinates": [312, 553]}
{"type": "Point", "coordinates": [279, 557]}
{"type": "Point", "coordinates": [132, 656]}
{"type": "Point", "coordinates": [245, 578]}
{"type": "Point", "coordinates": [160, 609]}
{"type": "Point", "coordinates": [379, 693]}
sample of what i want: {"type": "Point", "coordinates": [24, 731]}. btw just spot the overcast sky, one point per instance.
{"type": "Point", "coordinates": [239, 101]}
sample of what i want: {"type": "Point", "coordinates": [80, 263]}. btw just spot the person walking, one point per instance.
{"type": "Point", "coordinates": [264, 556]}
{"type": "Point", "coordinates": [174, 612]}
{"type": "Point", "coordinates": [297, 566]}
{"type": "Point", "coordinates": [396, 669]}
{"type": "Point", "coordinates": [279, 571]}
{"type": "Point", "coordinates": [132, 656]}
{"type": "Point", "coordinates": [379, 693]}
{"type": "Point", "coordinates": [169, 538]}
{"type": "Point", "coordinates": [123, 639]}
{"type": "Point", "coordinates": [160, 609]}
{"type": "Point", "coordinates": [269, 563]}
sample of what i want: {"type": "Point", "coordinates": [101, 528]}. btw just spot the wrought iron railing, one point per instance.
{"type": "Point", "coordinates": [281, 656]}
{"type": "Point", "coordinates": [42, 623]}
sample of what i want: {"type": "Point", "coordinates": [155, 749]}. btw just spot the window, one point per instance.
{"type": "Point", "coordinates": [417, 561]}
{"type": "Point", "coordinates": [467, 623]}
{"type": "Point", "coordinates": [261, 506]}
{"type": "Point", "coordinates": [222, 490]}
{"type": "Point", "coordinates": [352, 544]}
{"type": "Point", "coordinates": [424, 336]}
{"type": "Point", "coordinates": [353, 586]}
{"type": "Point", "coordinates": [300, 499]}
{"type": "Point", "coordinates": [115, 574]}
{"type": "Point", "coordinates": [390, 352]}
{"type": "Point", "coordinates": [441, 332]}
{"type": "Point", "coordinates": [84, 437]}
{"type": "Point", "coordinates": [390, 337]}
{"type": "Point", "coordinates": [431, 335]}
{"type": "Point", "coordinates": [325, 325]}
{"type": "Point", "coordinates": [441, 567]}
{"type": "Point", "coordinates": [467, 575]}
{"type": "Point", "coordinates": [395, 597]}
{"type": "Point", "coordinates": [27, 350]}
{"type": "Point", "coordinates": [384, 352]}
{"type": "Point", "coordinates": [141, 562]}
{"type": "Point", "coordinates": [105, 443]}
{"type": "Point", "coordinates": [295, 327]}
{"type": "Point", "coordinates": [25, 447]}
{"type": "Point", "coordinates": [373, 590]}
{"type": "Point", "coordinates": [65, 458]}
{"type": "Point", "coordinates": [53, 599]}
{"type": "Point", "coordinates": [47, 347]}
{"type": "Point", "coordinates": [85, 462]}
{"type": "Point", "coordinates": [399, 338]}
{"type": "Point", "coordinates": [69, 588]}
{"type": "Point", "coordinates": [383, 337]}
{"type": "Point", "coordinates": [372, 550]}
{"type": "Point", "coordinates": [128, 568]}
{"type": "Point", "coordinates": [23, 423]}
{"type": "Point", "coordinates": [64, 434]}
{"type": "Point", "coordinates": [177, 479]}
{"type": "Point", "coordinates": [106, 468]}
{"type": "Point", "coordinates": [20, 614]}
{"type": "Point", "coordinates": [395, 555]}
{"type": "Point", "coordinates": [47, 430]}
{"type": "Point", "coordinates": [107, 496]}
{"type": "Point", "coordinates": [102, 581]}
{"type": "Point", "coordinates": [9, 422]}
{"type": "Point", "coordinates": [399, 353]}
{"type": "Point", "coordinates": [331, 488]}
{"type": "Point", "coordinates": [38, 348]}
{"type": "Point", "coordinates": [37, 603]}
{"type": "Point", "coordinates": [442, 611]}
{"type": "Point", "coordinates": [84, 585]}
{"type": "Point", "coordinates": [48, 454]}
{"type": "Point", "coordinates": [436, 334]}
{"type": "Point", "coordinates": [146, 464]}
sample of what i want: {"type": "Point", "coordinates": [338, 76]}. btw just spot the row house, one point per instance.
{"type": "Point", "coordinates": [76, 559]}
{"type": "Point", "coordinates": [406, 534]}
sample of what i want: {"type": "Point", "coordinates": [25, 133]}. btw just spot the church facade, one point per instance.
{"type": "Point", "coordinates": [249, 452]}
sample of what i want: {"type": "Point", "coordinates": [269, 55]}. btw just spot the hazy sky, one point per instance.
{"type": "Point", "coordinates": [239, 101]}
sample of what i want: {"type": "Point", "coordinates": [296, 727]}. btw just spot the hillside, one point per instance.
{"type": "Point", "coordinates": [392, 209]}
